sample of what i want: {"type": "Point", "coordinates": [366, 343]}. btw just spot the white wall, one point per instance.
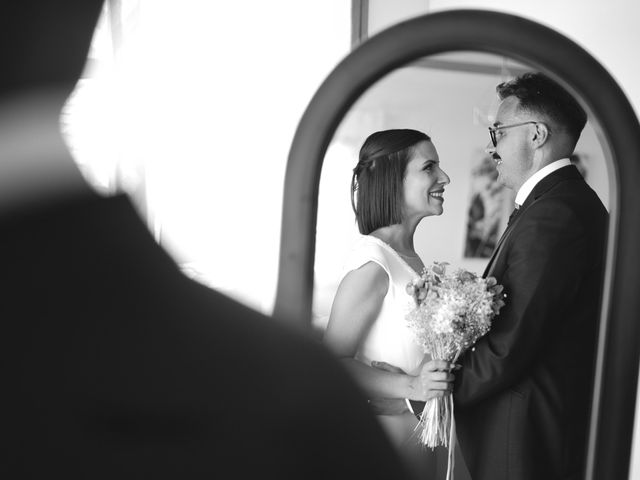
{"type": "Point", "coordinates": [608, 30]}
{"type": "Point", "coordinates": [196, 115]}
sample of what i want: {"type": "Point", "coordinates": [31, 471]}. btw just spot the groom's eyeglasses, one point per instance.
{"type": "Point", "coordinates": [493, 130]}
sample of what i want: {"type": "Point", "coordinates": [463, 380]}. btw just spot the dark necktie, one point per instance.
{"type": "Point", "coordinates": [497, 249]}
{"type": "Point", "coordinates": [513, 215]}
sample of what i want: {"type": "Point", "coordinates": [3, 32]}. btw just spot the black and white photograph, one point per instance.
{"type": "Point", "coordinates": [320, 239]}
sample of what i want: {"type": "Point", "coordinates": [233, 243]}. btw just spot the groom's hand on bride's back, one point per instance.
{"type": "Point", "coordinates": [398, 406]}
{"type": "Point", "coordinates": [388, 406]}
{"type": "Point", "coordinates": [387, 367]}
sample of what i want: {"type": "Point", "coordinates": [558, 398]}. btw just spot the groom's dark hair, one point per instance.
{"type": "Point", "coordinates": [376, 185]}
{"type": "Point", "coordinates": [539, 94]}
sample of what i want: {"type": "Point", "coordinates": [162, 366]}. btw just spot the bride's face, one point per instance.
{"type": "Point", "coordinates": [424, 183]}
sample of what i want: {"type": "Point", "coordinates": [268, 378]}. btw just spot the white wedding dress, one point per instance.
{"type": "Point", "coordinates": [390, 340]}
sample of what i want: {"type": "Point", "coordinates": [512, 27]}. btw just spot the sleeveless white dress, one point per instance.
{"type": "Point", "coordinates": [390, 340]}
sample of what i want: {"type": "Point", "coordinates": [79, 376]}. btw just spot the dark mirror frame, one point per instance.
{"type": "Point", "coordinates": [617, 128]}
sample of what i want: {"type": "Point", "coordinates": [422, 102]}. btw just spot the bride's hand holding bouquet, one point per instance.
{"type": "Point", "coordinates": [434, 380]}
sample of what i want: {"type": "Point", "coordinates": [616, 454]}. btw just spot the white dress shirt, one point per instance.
{"type": "Point", "coordinates": [533, 180]}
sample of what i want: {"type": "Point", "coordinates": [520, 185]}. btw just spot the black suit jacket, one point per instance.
{"type": "Point", "coordinates": [523, 395]}
{"type": "Point", "coordinates": [115, 365]}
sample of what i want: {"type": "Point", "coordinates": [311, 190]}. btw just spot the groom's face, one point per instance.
{"type": "Point", "coordinates": [513, 153]}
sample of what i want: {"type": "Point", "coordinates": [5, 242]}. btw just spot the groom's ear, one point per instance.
{"type": "Point", "coordinates": [540, 135]}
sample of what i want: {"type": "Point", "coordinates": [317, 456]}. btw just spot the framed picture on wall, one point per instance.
{"type": "Point", "coordinates": [489, 207]}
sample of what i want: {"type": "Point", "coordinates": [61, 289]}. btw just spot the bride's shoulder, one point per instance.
{"type": "Point", "coordinates": [367, 249]}
{"type": "Point", "coordinates": [369, 245]}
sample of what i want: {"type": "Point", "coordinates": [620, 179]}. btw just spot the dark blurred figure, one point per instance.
{"type": "Point", "coordinates": [115, 364]}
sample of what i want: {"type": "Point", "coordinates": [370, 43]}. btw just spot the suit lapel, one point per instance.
{"type": "Point", "coordinates": [496, 251]}
{"type": "Point", "coordinates": [569, 172]}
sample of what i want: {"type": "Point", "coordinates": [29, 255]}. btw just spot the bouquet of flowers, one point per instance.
{"type": "Point", "coordinates": [452, 311]}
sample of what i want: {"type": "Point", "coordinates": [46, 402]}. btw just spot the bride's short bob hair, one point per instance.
{"type": "Point", "coordinates": [377, 182]}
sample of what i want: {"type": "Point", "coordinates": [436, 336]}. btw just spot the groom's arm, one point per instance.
{"type": "Point", "coordinates": [393, 406]}
{"type": "Point", "coordinates": [545, 262]}
{"type": "Point", "coordinates": [396, 406]}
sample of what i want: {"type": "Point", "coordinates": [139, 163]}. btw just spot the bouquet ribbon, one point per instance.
{"type": "Point", "coordinates": [430, 429]}
{"type": "Point", "coordinates": [452, 439]}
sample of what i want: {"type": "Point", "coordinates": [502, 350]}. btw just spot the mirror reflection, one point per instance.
{"type": "Point", "coordinates": [452, 98]}
{"type": "Point", "coordinates": [483, 154]}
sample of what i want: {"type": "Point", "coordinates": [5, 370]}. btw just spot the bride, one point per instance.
{"type": "Point", "coordinates": [396, 183]}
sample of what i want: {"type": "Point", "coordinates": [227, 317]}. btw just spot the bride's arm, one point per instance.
{"type": "Point", "coordinates": [356, 306]}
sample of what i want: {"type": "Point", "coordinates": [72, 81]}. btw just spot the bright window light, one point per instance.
{"type": "Point", "coordinates": [190, 107]}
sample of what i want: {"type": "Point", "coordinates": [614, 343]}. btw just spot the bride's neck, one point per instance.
{"type": "Point", "coordinates": [398, 237]}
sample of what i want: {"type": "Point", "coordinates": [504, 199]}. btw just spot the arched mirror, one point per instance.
{"type": "Point", "coordinates": [468, 52]}
{"type": "Point", "coordinates": [451, 97]}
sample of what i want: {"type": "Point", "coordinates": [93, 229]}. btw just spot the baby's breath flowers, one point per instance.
{"type": "Point", "coordinates": [452, 311]}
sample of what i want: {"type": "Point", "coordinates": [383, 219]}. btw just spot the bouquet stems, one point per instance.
{"type": "Point", "coordinates": [435, 423]}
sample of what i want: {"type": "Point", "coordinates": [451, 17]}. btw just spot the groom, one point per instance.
{"type": "Point", "coordinates": [523, 394]}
